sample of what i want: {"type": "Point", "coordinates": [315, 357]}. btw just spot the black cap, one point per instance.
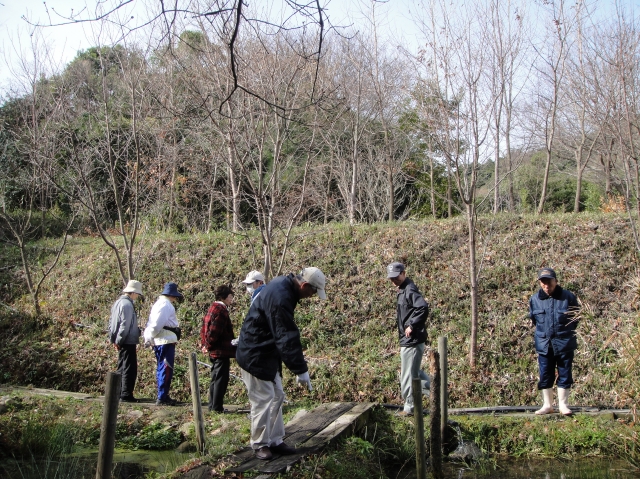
{"type": "Point", "coordinates": [394, 270]}
{"type": "Point", "coordinates": [546, 273]}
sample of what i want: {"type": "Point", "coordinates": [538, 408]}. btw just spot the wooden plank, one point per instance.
{"type": "Point", "coordinates": [296, 424]}
{"type": "Point", "coordinates": [351, 421]}
{"type": "Point", "coordinates": [296, 431]}
{"type": "Point", "coordinates": [355, 418]}
{"type": "Point", "coordinates": [315, 423]}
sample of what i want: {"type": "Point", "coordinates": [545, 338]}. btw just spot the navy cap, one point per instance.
{"type": "Point", "coordinates": [394, 270]}
{"type": "Point", "coordinates": [546, 273]}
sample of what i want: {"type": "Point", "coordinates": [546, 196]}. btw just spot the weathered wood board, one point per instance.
{"type": "Point", "coordinates": [309, 433]}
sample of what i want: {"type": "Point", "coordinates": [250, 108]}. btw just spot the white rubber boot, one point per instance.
{"type": "Point", "coordinates": [547, 406]}
{"type": "Point", "coordinates": [563, 395]}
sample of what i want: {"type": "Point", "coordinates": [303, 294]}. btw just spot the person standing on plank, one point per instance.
{"type": "Point", "coordinates": [268, 338]}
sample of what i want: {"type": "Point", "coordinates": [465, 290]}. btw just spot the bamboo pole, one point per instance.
{"type": "Point", "coordinates": [444, 387]}
{"type": "Point", "coordinates": [198, 417]}
{"type": "Point", "coordinates": [435, 439]}
{"type": "Point", "coordinates": [108, 427]}
{"type": "Point", "coordinates": [421, 464]}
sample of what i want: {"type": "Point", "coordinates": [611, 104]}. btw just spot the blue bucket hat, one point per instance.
{"type": "Point", "coordinates": [171, 289]}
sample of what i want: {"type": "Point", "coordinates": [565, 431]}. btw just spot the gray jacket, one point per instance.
{"type": "Point", "coordinates": [123, 325]}
{"type": "Point", "coordinates": [412, 311]}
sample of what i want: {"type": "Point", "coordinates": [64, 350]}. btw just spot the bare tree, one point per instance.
{"type": "Point", "coordinates": [464, 146]}
{"type": "Point", "coordinates": [506, 31]}
{"type": "Point", "coordinates": [30, 144]}
{"type": "Point", "coordinates": [553, 64]}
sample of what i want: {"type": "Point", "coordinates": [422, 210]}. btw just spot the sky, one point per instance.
{"type": "Point", "coordinates": [65, 41]}
{"type": "Point", "coordinates": [15, 32]}
{"type": "Point", "coordinates": [395, 16]}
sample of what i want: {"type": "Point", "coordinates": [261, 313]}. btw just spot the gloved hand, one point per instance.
{"type": "Point", "coordinates": [304, 379]}
{"type": "Point", "coordinates": [234, 342]}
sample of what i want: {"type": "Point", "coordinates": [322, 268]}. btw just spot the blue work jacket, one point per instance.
{"type": "Point", "coordinates": [555, 320]}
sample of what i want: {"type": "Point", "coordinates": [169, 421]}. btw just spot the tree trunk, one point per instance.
{"type": "Point", "coordinates": [579, 170]}
{"type": "Point", "coordinates": [391, 204]}
{"type": "Point", "coordinates": [433, 193]}
{"type": "Point", "coordinates": [473, 343]}
{"type": "Point", "coordinates": [545, 181]}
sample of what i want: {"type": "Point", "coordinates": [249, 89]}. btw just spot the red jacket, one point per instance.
{"type": "Point", "coordinates": [217, 332]}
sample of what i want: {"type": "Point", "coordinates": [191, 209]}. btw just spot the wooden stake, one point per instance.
{"type": "Point", "coordinates": [198, 417]}
{"type": "Point", "coordinates": [418, 415]}
{"type": "Point", "coordinates": [444, 387]}
{"type": "Point", "coordinates": [436, 438]}
{"type": "Point", "coordinates": [108, 428]}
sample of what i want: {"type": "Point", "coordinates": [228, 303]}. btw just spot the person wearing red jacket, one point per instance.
{"type": "Point", "coordinates": [217, 340]}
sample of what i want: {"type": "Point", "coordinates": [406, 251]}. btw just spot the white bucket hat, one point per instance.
{"type": "Point", "coordinates": [133, 286]}
{"type": "Point", "coordinates": [315, 278]}
{"type": "Point", "coordinates": [253, 276]}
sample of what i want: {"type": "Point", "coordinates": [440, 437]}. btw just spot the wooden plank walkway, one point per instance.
{"type": "Point", "coordinates": [309, 433]}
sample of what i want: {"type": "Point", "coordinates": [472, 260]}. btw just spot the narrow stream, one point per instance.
{"type": "Point", "coordinates": [601, 468]}
{"type": "Point", "coordinates": [126, 465]}
{"type": "Point", "coordinates": [138, 464]}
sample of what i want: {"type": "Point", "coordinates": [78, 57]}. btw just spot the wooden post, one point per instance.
{"type": "Point", "coordinates": [198, 418]}
{"type": "Point", "coordinates": [108, 428]}
{"type": "Point", "coordinates": [436, 438]}
{"type": "Point", "coordinates": [418, 414]}
{"type": "Point", "coordinates": [444, 386]}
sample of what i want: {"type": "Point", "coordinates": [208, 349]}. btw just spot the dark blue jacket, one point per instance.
{"type": "Point", "coordinates": [257, 291]}
{"type": "Point", "coordinates": [269, 335]}
{"type": "Point", "coordinates": [412, 311]}
{"type": "Point", "coordinates": [553, 317]}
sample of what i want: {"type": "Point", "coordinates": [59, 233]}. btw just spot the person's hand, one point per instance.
{"type": "Point", "coordinates": [304, 379]}
{"type": "Point", "coordinates": [407, 332]}
{"type": "Point", "coordinates": [204, 350]}
{"type": "Point", "coordinates": [116, 346]}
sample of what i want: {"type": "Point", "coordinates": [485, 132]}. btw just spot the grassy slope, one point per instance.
{"type": "Point", "coordinates": [350, 340]}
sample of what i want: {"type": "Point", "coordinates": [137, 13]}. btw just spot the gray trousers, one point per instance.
{"type": "Point", "coordinates": [410, 359]}
{"type": "Point", "coordinates": [266, 398]}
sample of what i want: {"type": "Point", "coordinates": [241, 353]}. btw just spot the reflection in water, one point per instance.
{"type": "Point", "coordinates": [126, 465]}
{"type": "Point", "coordinates": [129, 470]}
{"type": "Point", "coordinates": [581, 468]}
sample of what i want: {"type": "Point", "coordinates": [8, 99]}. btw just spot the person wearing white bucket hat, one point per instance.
{"type": "Point", "coordinates": [124, 334]}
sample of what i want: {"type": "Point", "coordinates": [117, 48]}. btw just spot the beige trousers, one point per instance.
{"type": "Point", "coordinates": [266, 398]}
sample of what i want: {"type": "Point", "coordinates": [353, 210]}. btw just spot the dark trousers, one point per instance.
{"type": "Point", "coordinates": [548, 363]}
{"type": "Point", "coordinates": [219, 383]}
{"type": "Point", "coordinates": [128, 368]}
{"type": "Point", "coordinates": [165, 356]}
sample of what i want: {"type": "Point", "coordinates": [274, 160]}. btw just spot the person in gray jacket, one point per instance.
{"type": "Point", "coordinates": [412, 312]}
{"type": "Point", "coordinates": [124, 334]}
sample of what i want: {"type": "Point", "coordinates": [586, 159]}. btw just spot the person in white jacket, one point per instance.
{"type": "Point", "coordinates": [162, 333]}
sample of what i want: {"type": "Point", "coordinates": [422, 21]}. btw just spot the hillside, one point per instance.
{"type": "Point", "coordinates": [350, 339]}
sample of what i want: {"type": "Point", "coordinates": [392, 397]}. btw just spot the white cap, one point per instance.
{"type": "Point", "coordinates": [133, 286]}
{"type": "Point", "coordinates": [253, 276]}
{"type": "Point", "coordinates": [315, 278]}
